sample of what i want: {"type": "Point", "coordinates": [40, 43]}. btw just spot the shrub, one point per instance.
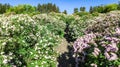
{"type": "Point", "coordinates": [53, 23]}
{"type": "Point", "coordinates": [24, 42]}
{"type": "Point", "coordinates": [100, 44]}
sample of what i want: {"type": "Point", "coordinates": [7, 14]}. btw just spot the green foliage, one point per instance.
{"type": "Point", "coordinates": [22, 9]}
{"type": "Point", "coordinates": [65, 11]}
{"type": "Point", "coordinates": [104, 8]}
{"type": "Point", "coordinates": [4, 7]}
{"type": "Point", "coordinates": [53, 23]}
{"type": "Point", "coordinates": [47, 8]}
{"type": "Point", "coordinates": [82, 8]}
{"type": "Point", "coordinates": [91, 9]}
{"type": "Point", "coordinates": [95, 14]}
{"type": "Point", "coordinates": [82, 13]}
{"type": "Point", "coordinates": [110, 7]}
{"type": "Point", "coordinates": [75, 10]}
{"type": "Point", "coordinates": [118, 5]}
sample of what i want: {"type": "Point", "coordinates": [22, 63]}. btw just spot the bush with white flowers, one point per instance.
{"type": "Point", "coordinates": [26, 43]}
{"type": "Point", "coordinates": [52, 22]}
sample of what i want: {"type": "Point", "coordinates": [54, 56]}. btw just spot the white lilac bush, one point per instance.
{"type": "Point", "coordinates": [100, 46]}
{"type": "Point", "coordinates": [77, 24]}
{"type": "Point", "coordinates": [52, 22]}
{"type": "Point", "coordinates": [26, 43]}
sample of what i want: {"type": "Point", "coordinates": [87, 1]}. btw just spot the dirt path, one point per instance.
{"type": "Point", "coordinates": [65, 59]}
{"type": "Point", "coordinates": [62, 47]}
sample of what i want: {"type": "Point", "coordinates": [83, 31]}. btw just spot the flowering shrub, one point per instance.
{"type": "Point", "coordinates": [78, 24]}
{"type": "Point", "coordinates": [26, 43]}
{"type": "Point", "coordinates": [99, 47]}
{"type": "Point", "coordinates": [53, 23]}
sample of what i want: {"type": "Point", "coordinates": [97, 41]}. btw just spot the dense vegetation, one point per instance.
{"type": "Point", "coordinates": [29, 36]}
{"type": "Point", "coordinates": [44, 8]}
{"type": "Point", "coordinates": [49, 7]}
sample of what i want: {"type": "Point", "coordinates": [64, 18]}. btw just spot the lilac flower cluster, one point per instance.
{"type": "Point", "coordinates": [104, 47]}
{"type": "Point", "coordinates": [109, 43]}
{"type": "Point", "coordinates": [82, 43]}
{"type": "Point", "coordinates": [96, 52]}
{"type": "Point", "coordinates": [111, 49]}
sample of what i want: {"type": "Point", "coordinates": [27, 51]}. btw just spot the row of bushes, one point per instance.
{"type": "Point", "coordinates": [30, 40]}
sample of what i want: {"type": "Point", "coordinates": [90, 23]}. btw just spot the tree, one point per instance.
{"type": "Point", "coordinates": [39, 8]}
{"type": "Point", "coordinates": [104, 9]}
{"type": "Point", "coordinates": [4, 7]}
{"type": "Point", "coordinates": [82, 9]}
{"type": "Point", "coordinates": [47, 8]}
{"type": "Point", "coordinates": [118, 5]}
{"type": "Point", "coordinates": [91, 9]}
{"type": "Point", "coordinates": [110, 7]}
{"type": "Point", "coordinates": [99, 9]}
{"type": "Point", "coordinates": [65, 11]}
{"type": "Point", "coordinates": [75, 10]}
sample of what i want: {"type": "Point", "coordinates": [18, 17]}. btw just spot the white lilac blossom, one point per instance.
{"type": "Point", "coordinates": [5, 61]}
{"type": "Point", "coordinates": [94, 65]}
{"type": "Point", "coordinates": [14, 66]}
{"type": "Point", "coordinates": [36, 66]}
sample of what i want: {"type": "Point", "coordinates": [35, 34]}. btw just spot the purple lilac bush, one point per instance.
{"type": "Point", "coordinates": [99, 47]}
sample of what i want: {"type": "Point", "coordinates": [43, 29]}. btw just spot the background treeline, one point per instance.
{"type": "Point", "coordinates": [96, 9]}
{"type": "Point", "coordinates": [104, 8]}
{"type": "Point", "coordinates": [25, 8]}
{"type": "Point", "coordinates": [99, 9]}
{"type": "Point", "coordinates": [49, 7]}
{"type": "Point", "coordinates": [4, 7]}
{"type": "Point", "coordinates": [46, 8]}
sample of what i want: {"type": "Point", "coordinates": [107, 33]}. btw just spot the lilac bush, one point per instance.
{"type": "Point", "coordinates": [26, 43]}
{"type": "Point", "coordinates": [99, 47]}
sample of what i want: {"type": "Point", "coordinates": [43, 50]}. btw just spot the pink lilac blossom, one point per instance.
{"type": "Point", "coordinates": [117, 31]}
{"type": "Point", "coordinates": [107, 55]}
{"type": "Point", "coordinates": [111, 47]}
{"type": "Point", "coordinates": [96, 52]}
{"type": "Point", "coordinates": [111, 56]}
{"type": "Point", "coordinates": [82, 43]}
{"type": "Point", "coordinates": [114, 39]}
